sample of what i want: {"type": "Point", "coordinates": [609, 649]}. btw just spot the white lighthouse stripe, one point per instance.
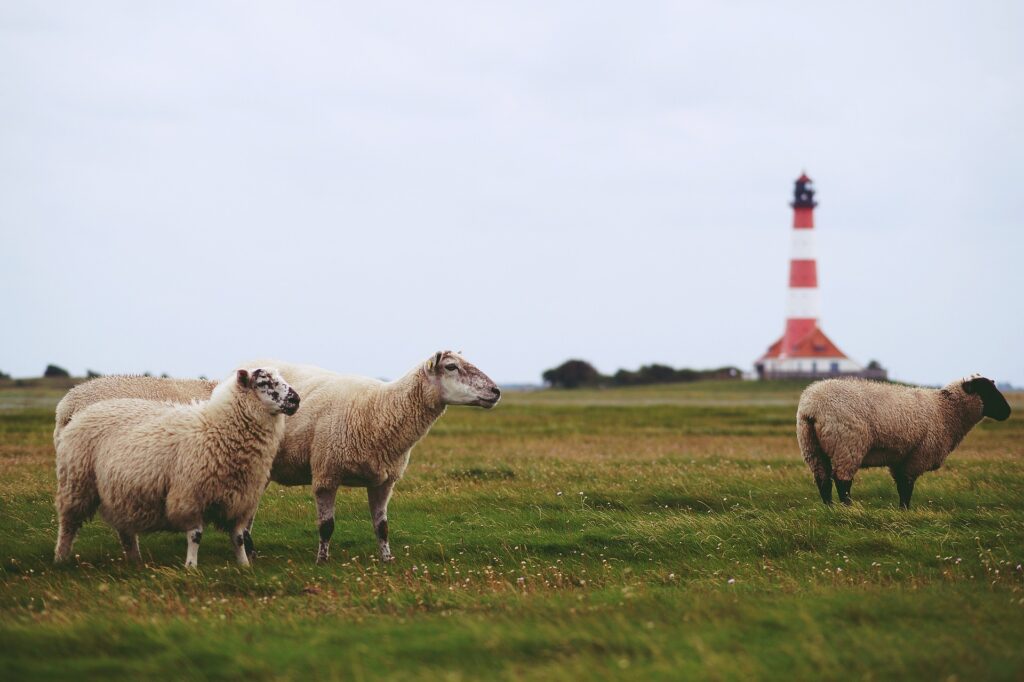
{"type": "Point", "coordinates": [803, 303]}
{"type": "Point", "coordinates": [802, 246]}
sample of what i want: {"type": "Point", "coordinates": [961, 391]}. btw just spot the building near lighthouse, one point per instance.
{"type": "Point", "coordinates": [804, 351]}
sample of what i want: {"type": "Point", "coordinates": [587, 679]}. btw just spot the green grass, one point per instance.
{"type": "Point", "coordinates": [655, 532]}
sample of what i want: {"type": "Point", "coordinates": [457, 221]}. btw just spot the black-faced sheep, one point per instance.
{"type": "Point", "coordinates": [150, 466]}
{"type": "Point", "coordinates": [845, 424]}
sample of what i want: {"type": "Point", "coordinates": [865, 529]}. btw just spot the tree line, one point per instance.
{"type": "Point", "coordinates": [580, 373]}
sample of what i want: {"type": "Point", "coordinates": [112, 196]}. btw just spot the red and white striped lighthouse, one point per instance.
{"type": "Point", "coordinates": [803, 307]}
{"type": "Point", "coordinates": [804, 350]}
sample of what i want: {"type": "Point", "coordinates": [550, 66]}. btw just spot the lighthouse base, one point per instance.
{"type": "Point", "coordinates": [812, 357]}
{"type": "Point", "coordinates": [814, 373]}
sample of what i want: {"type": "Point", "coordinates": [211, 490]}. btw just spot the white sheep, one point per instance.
{"type": "Point", "coordinates": [357, 431]}
{"type": "Point", "coordinates": [150, 466]}
{"type": "Point", "coordinates": [845, 424]}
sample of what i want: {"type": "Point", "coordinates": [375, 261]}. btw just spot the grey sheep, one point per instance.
{"type": "Point", "coordinates": [845, 424]}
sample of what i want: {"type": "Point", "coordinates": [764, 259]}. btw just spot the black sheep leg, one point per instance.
{"type": "Point", "coordinates": [823, 477]}
{"type": "Point", "coordinates": [843, 488]}
{"type": "Point", "coordinates": [904, 485]}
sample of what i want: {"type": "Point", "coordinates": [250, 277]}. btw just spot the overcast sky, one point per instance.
{"type": "Point", "coordinates": [186, 185]}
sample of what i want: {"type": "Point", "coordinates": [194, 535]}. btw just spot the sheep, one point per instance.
{"type": "Point", "coordinates": [356, 431]}
{"type": "Point", "coordinates": [359, 432]}
{"type": "Point", "coordinates": [148, 465]}
{"type": "Point", "coordinates": [845, 424]}
{"type": "Point", "coordinates": [146, 388]}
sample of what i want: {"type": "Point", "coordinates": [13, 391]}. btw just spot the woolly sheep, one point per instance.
{"type": "Point", "coordinates": [145, 388]}
{"type": "Point", "coordinates": [359, 432]}
{"type": "Point", "coordinates": [356, 431]}
{"type": "Point", "coordinates": [150, 466]}
{"type": "Point", "coordinates": [845, 424]}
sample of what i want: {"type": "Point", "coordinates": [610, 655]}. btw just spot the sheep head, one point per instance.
{"type": "Point", "coordinates": [275, 394]}
{"type": "Point", "coordinates": [461, 382]}
{"type": "Point", "coordinates": [994, 405]}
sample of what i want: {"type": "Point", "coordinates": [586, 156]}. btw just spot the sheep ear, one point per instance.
{"type": "Point", "coordinates": [243, 378]}
{"type": "Point", "coordinates": [435, 362]}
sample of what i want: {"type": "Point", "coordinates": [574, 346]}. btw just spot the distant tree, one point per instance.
{"type": "Point", "coordinates": [203, 377]}
{"type": "Point", "coordinates": [165, 375]}
{"type": "Point", "coordinates": [625, 378]}
{"type": "Point", "coordinates": [55, 371]}
{"type": "Point", "coordinates": [4, 375]}
{"type": "Point", "coordinates": [572, 374]}
{"type": "Point", "coordinates": [658, 374]}
{"type": "Point", "coordinates": [147, 374]}
{"type": "Point", "coordinates": [663, 374]}
{"type": "Point", "coordinates": [92, 374]}
{"type": "Point", "coordinates": [874, 364]}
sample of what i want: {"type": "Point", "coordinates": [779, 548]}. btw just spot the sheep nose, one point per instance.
{"type": "Point", "coordinates": [291, 402]}
{"type": "Point", "coordinates": [496, 391]}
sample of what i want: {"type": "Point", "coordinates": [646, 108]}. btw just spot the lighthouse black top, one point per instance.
{"type": "Point", "coordinates": [803, 193]}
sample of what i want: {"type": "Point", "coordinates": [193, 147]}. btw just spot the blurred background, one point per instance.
{"type": "Point", "coordinates": [186, 186]}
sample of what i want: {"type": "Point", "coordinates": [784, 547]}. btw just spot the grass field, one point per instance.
{"type": "Point", "coordinates": [665, 533]}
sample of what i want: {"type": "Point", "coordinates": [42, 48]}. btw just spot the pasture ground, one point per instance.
{"type": "Point", "coordinates": [648, 533]}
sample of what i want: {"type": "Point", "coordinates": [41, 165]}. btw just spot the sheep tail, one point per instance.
{"type": "Point", "coordinates": [807, 436]}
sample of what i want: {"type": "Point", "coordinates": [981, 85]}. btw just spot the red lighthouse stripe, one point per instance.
{"type": "Point", "coordinates": [803, 273]}
{"type": "Point", "coordinates": [803, 217]}
{"type": "Point", "coordinates": [796, 330]}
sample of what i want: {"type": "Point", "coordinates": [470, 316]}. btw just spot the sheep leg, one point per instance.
{"type": "Point", "coordinates": [69, 527]}
{"type": "Point", "coordinates": [194, 537]}
{"type": "Point", "coordinates": [823, 477]}
{"type": "Point", "coordinates": [77, 500]}
{"type": "Point", "coordinates": [250, 547]}
{"type": "Point", "coordinates": [379, 497]}
{"type": "Point", "coordinates": [817, 461]}
{"type": "Point", "coordinates": [325, 521]}
{"type": "Point", "coordinates": [904, 484]}
{"type": "Point", "coordinates": [130, 545]}
{"type": "Point", "coordinates": [238, 541]}
{"type": "Point", "coordinates": [843, 488]}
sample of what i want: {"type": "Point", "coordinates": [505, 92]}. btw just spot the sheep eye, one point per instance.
{"type": "Point", "coordinates": [451, 368]}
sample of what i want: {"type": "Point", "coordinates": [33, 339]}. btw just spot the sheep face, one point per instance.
{"type": "Point", "coordinates": [275, 394]}
{"type": "Point", "coordinates": [460, 381]}
{"type": "Point", "coordinates": [994, 405]}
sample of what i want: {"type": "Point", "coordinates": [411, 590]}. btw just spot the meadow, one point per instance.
{"type": "Point", "coordinates": [654, 533]}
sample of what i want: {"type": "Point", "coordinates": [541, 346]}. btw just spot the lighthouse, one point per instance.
{"type": "Point", "coordinates": [804, 351]}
